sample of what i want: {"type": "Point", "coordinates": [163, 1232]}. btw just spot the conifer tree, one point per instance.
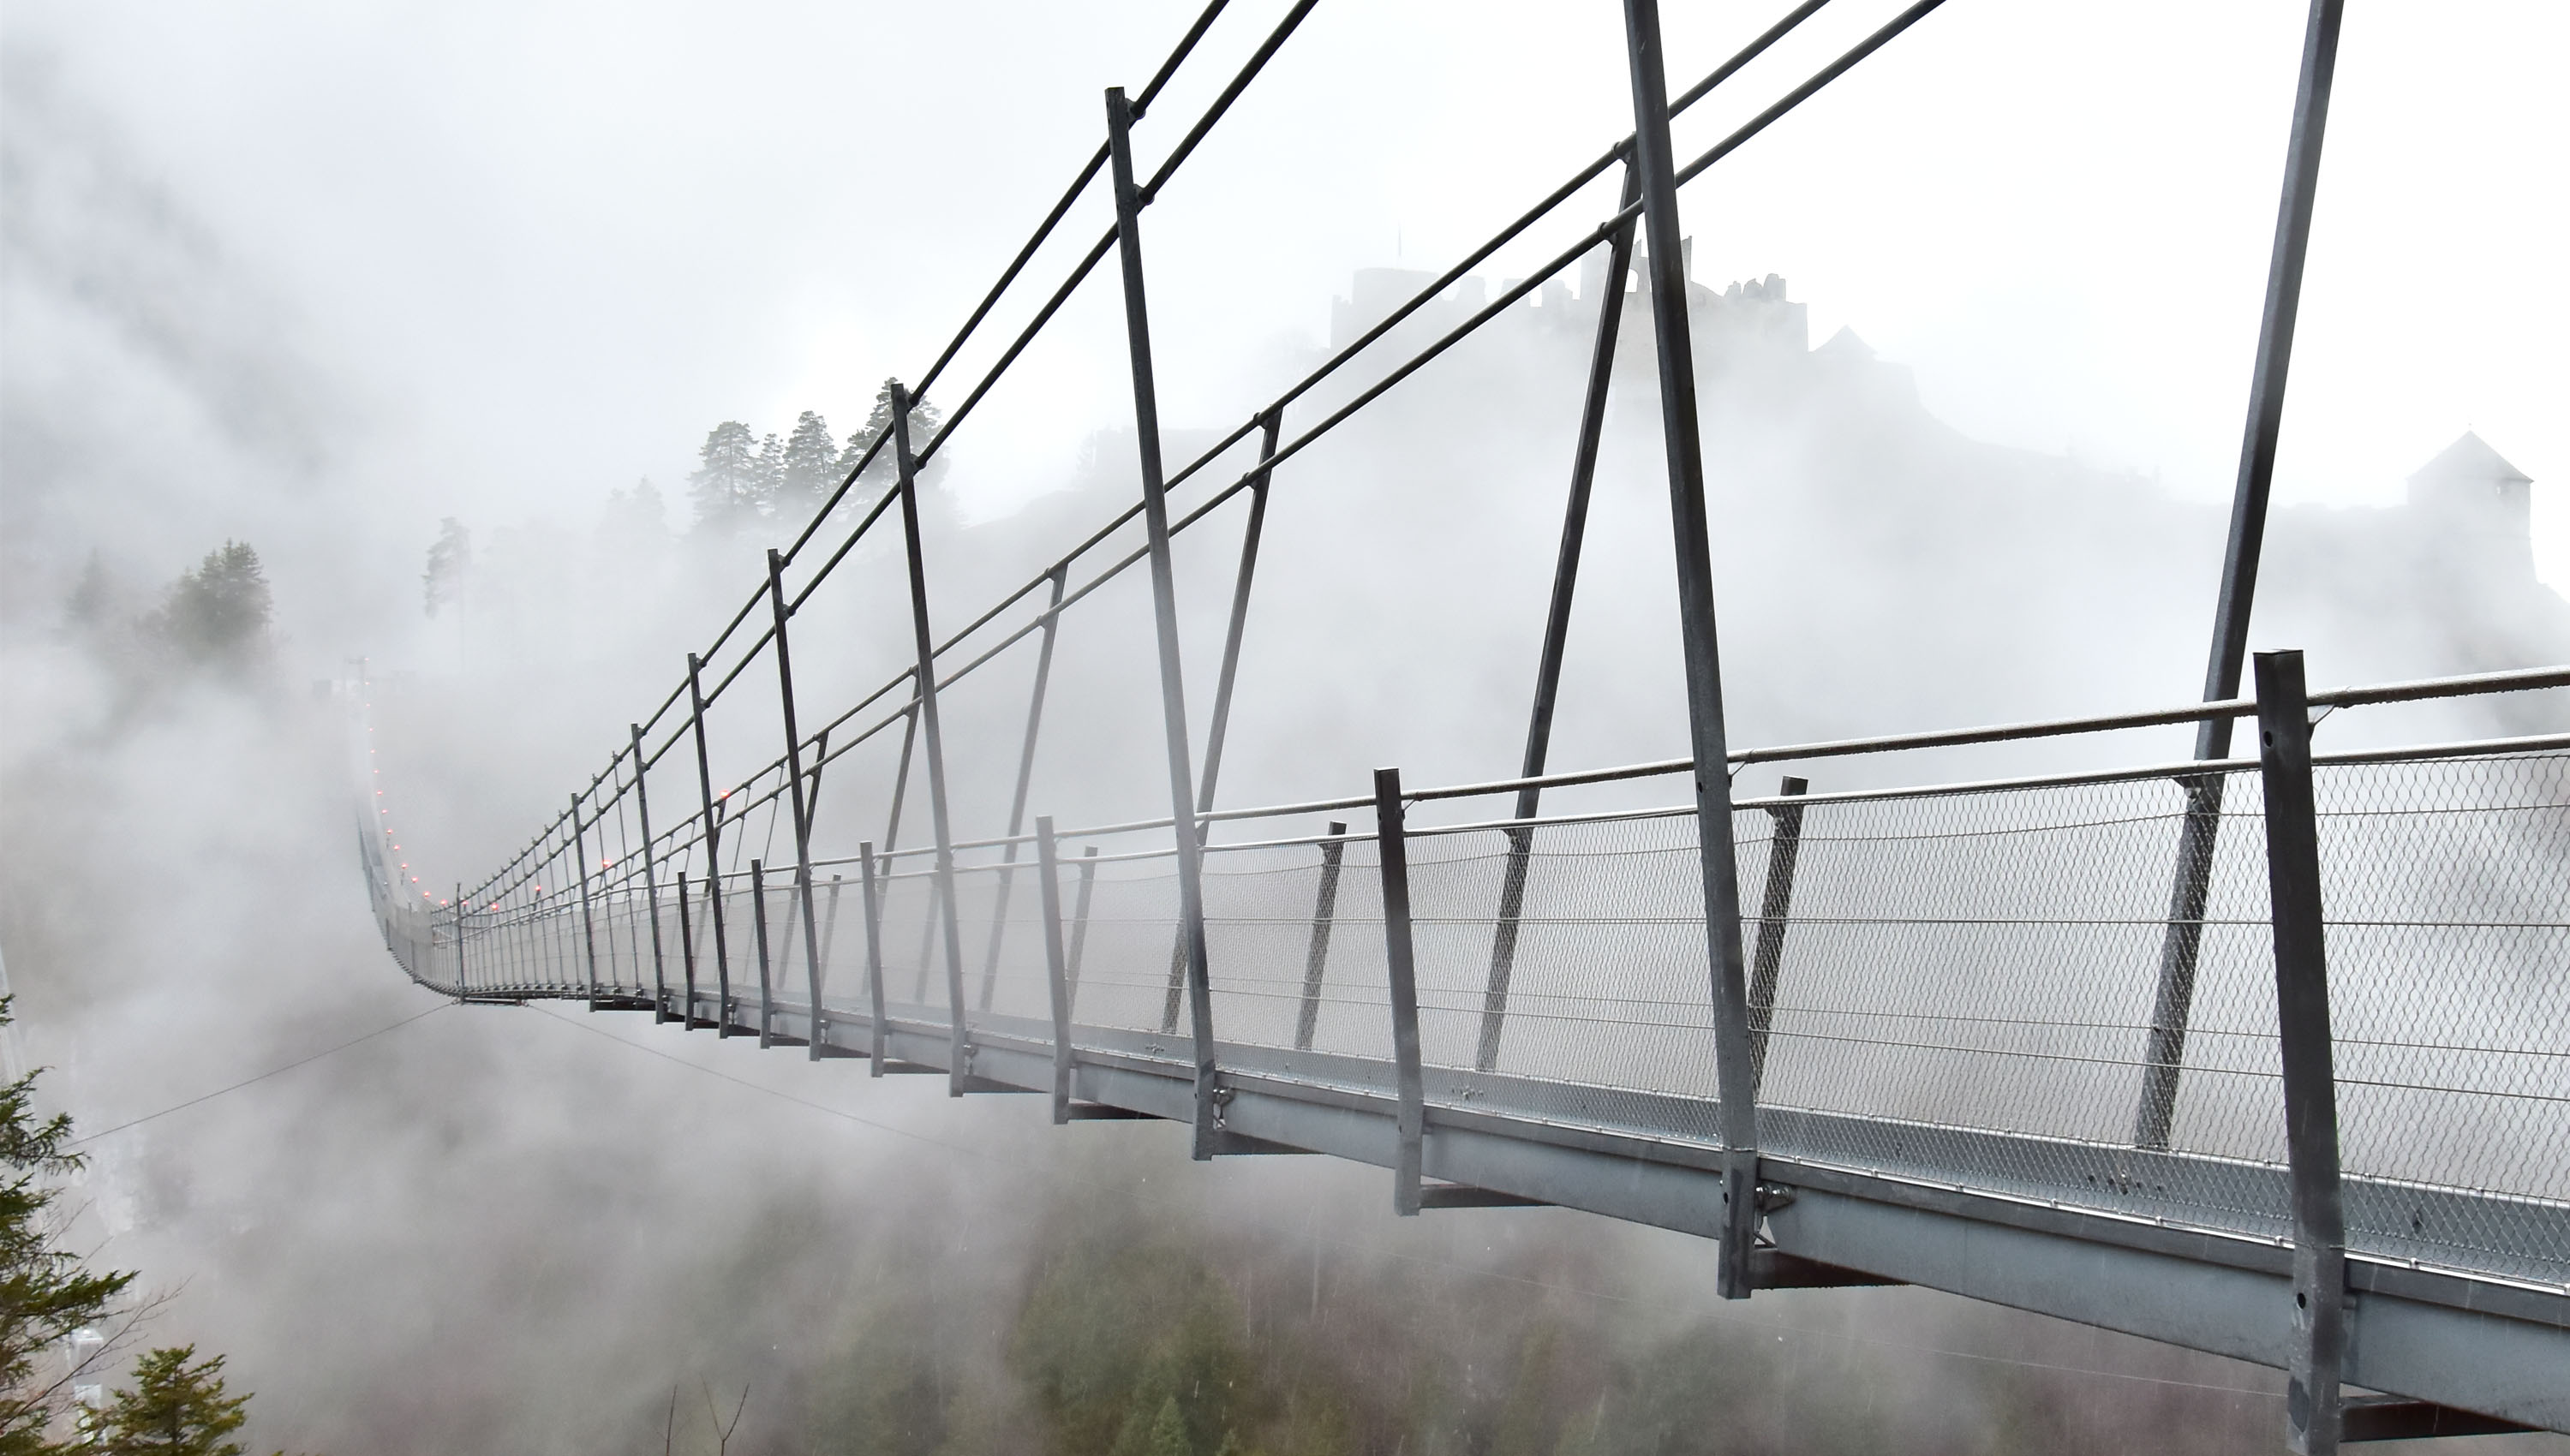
{"type": "Point", "coordinates": [923, 421]}
{"type": "Point", "coordinates": [450, 557]}
{"type": "Point", "coordinates": [724, 485]}
{"type": "Point", "coordinates": [176, 1406]}
{"type": "Point", "coordinates": [217, 614]}
{"type": "Point", "coordinates": [771, 474]}
{"type": "Point", "coordinates": [46, 1295]}
{"type": "Point", "coordinates": [811, 468]}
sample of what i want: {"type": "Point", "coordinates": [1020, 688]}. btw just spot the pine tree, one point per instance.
{"type": "Point", "coordinates": [724, 485]}
{"type": "Point", "coordinates": [450, 557]}
{"type": "Point", "coordinates": [45, 1292]}
{"type": "Point", "coordinates": [174, 1408]}
{"type": "Point", "coordinates": [217, 614]}
{"type": "Point", "coordinates": [811, 468]}
{"type": "Point", "coordinates": [771, 474]}
{"type": "Point", "coordinates": [923, 421]}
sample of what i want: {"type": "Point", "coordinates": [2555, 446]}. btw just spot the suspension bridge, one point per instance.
{"type": "Point", "coordinates": [2264, 1053]}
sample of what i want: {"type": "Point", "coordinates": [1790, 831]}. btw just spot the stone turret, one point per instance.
{"type": "Point", "coordinates": [2478, 503]}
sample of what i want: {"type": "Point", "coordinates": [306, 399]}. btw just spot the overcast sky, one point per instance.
{"type": "Point", "coordinates": [537, 249]}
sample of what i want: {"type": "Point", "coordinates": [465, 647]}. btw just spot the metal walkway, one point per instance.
{"type": "Point", "coordinates": [2263, 1055]}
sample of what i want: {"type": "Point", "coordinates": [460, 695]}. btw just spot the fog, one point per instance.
{"type": "Point", "coordinates": [320, 278]}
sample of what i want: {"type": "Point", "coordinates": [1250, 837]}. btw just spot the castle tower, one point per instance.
{"type": "Point", "coordinates": [2482, 504]}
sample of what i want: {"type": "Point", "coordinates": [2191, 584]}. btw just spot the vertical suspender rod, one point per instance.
{"type": "Point", "coordinates": [958, 1070]}
{"type": "Point", "coordinates": [1688, 526]}
{"type": "Point", "coordinates": [1173, 706]}
{"type": "Point", "coordinates": [802, 806]}
{"type": "Point", "coordinates": [2174, 1003]}
{"type": "Point", "coordinates": [1557, 632]}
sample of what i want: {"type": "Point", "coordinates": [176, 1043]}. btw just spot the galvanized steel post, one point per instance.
{"type": "Point", "coordinates": [802, 807]}
{"type": "Point", "coordinates": [1173, 707]}
{"type": "Point", "coordinates": [713, 845]}
{"type": "Point", "coordinates": [1325, 908]}
{"type": "Point", "coordinates": [1557, 632]}
{"type": "Point", "coordinates": [687, 955]}
{"type": "Point", "coordinates": [874, 962]}
{"type": "Point", "coordinates": [588, 925]}
{"type": "Point", "coordinates": [758, 922]}
{"type": "Point", "coordinates": [1057, 975]}
{"type": "Point", "coordinates": [958, 1072]}
{"type": "Point", "coordinates": [1410, 1116]}
{"type": "Point", "coordinates": [2312, 1411]}
{"type": "Point", "coordinates": [1080, 921]}
{"type": "Point", "coordinates": [1025, 780]}
{"type": "Point", "coordinates": [651, 883]}
{"type": "Point", "coordinates": [1688, 526]}
{"type": "Point", "coordinates": [2175, 1000]}
{"type": "Point", "coordinates": [1782, 849]}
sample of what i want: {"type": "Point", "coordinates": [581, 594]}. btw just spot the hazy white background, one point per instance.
{"type": "Point", "coordinates": [539, 248]}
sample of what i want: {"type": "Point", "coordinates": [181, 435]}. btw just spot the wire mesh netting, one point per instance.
{"type": "Point", "coordinates": [1956, 986]}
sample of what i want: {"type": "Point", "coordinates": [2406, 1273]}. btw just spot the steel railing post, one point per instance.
{"type": "Point", "coordinates": [1218, 730]}
{"type": "Point", "coordinates": [874, 961]}
{"type": "Point", "coordinates": [1174, 708]}
{"type": "Point", "coordinates": [459, 941]}
{"type": "Point", "coordinates": [1057, 975]}
{"type": "Point", "coordinates": [1218, 727]}
{"type": "Point", "coordinates": [1782, 849]}
{"type": "Point", "coordinates": [1025, 780]}
{"type": "Point", "coordinates": [1324, 910]}
{"type": "Point", "coordinates": [1410, 1117]}
{"type": "Point", "coordinates": [958, 1070]}
{"type": "Point", "coordinates": [651, 883]}
{"type": "Point", "coordinates": [1080, 921]}
{"type": "Point", "coordinates": [687, 955]}
{"type": "Point", "coordinates": [2312, 1411]}
{"type": "Point", "coordinates": [829, 929]}
{"type": "Point", "coordinates": [715, 893]}
{"type": "Point", "coordinates": [714, 846]}
{"type": "Point", "coordinates": [1557, 632]}
{"type": "Point", "coordinates": [758, 926]}
{"type": "Point", "coordinates": [802, 805]}
{"type": "Point", "coordinates": [588, 925]}
{"type": "Point", "coordinates": [2174, 1000]}
{"type": "Point", "coordinates": [1688, 526]}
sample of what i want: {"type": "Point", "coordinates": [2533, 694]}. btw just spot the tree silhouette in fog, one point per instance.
{"type": "Point", "coordinates": [450, 557]}
{"type": "Point", "coordinates": [924, 422]}
{"type": "Point", "coordinates": [217, 615]}
{"type": "Point", "coordinates": [810, 468]}
{"type": "Point", "coordinates": [726, 482]}
{"type": "Point", "coordinates": [176, 1406]}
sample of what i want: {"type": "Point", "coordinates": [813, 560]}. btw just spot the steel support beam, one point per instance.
{"type": "Point", "coordinates": [1688, 529]}
{"type": "Point", "coordinates": [1783, 849]}
{"type": "Point", "coordinates": [1057, 975]}
{"type": "Point", "coordinates": [2174, 1003]}
{"type": "Point", "coordinates": [874, 962]}
{"type": "Point", "coordinates": [688, 952]}
{"type": "Point", "coordinates": [1025, 780]}
{"type": "Point", "coordinates": [1409, 1123]}
{"type": "Point", "coordinates": [2309, 1065]}
{"type": "Point", "coordinates": [714, 848]}
{"type": "Point", "coordinates": [1556, 631]}
{"type": "Point", "coordinates": [651, 881]}
{"type": "Point", "coordinates": [959, 1072]}
{"type": "Point", "coordinates": [799, 798]}
{"type": "Point", "coordinates": [758, 924]}
{"type": "Point", "coordinates": [588, 925]}
{"type": "Point", "coordinates": [1325, 908]}
{"type": "Point", "coordinates": [1165, 612]}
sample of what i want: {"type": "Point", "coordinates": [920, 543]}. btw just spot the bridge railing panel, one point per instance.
{"type": "Point", "coordinates": [2447, 890]}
